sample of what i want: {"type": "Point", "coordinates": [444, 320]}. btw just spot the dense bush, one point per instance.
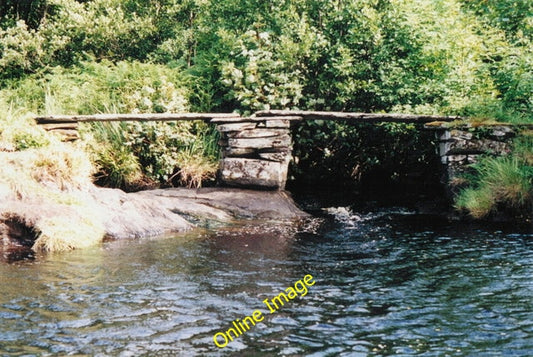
{"type": "Point", "coordinates": [137, 155]}
{"type": "Point", "coordinates": [448, 57]}
{"type": "Point", "coordinates": [101, 87]}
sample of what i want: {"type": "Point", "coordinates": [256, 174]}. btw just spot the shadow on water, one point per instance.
{"type": "Point", "coordinates": [389, 281]}
{"type": "Point", "coordinates": [13, 254]}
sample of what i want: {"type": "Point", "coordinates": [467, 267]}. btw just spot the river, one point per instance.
{"type": "Point", "coordinates": [387, 282]}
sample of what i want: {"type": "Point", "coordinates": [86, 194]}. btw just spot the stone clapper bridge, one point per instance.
{"type": "Point", "coordinates": [256, 150]}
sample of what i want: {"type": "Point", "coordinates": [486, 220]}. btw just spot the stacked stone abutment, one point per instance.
{"type": "Point", "coordinates": [255, 152]}
{"type": "Point", "coordinates": [461, 147]}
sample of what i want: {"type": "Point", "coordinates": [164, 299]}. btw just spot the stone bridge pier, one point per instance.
{"type": "Point", "coordinates": [255, 152]}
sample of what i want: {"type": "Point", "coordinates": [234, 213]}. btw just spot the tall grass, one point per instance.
{"type": "Point", "coordinates": [137, 155]}
{"type": "Point", "coordinates": [501, 183]}
{"type": "Point", "coordinates": [116, 164]}
{"type": "Point", "coordinates": [198, 162]}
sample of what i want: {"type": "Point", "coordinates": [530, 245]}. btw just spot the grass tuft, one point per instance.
{"type": "Point", "coordinates": [116, 164]}
{"type": "Point", "coordinates": [60, 234]}
{"type": "Point", "coordinates": [478, 202]}
{"type": "Point", "coordinates": [502, 181]}
{"type": "Point", "coordinates": [195, 169]}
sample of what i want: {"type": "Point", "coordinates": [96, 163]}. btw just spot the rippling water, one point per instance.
{"type": "Point", "coordinates": [387, 283]}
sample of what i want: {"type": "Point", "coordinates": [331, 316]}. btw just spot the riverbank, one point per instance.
{"type": "Point", "coordinates": [114, 214]}
{"type": "Point", "coordinates": [162, 211]}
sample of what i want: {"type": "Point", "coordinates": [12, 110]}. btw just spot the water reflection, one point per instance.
{"type": "Point", "coordinates": [388, 283]}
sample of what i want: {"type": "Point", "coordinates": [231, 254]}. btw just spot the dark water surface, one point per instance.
{"type": "Point", "coordinates": [387, 283]}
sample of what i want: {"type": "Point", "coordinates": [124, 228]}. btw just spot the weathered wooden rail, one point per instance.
{"type": "Point", "coordinates": [256, 150]}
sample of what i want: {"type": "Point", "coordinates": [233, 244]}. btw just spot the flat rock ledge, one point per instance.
{"type": "Point", "coordinates": [157, 212]}
{"type": "Point", "coordinates": [148, 213]}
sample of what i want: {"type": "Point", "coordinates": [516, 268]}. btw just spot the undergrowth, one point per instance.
{"type": "Point", "coordinates": [141, 155]}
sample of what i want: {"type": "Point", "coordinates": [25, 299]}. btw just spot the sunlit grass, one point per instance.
{"type": "Point", "coordinates": [44, 185]}
{"type": "Point", "coordinates": [506, 181]}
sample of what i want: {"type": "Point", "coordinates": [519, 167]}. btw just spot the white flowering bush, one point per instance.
{"type": "Point", "coordinates": [257, 79]}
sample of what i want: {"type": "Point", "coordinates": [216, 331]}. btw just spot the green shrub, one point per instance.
{"type": "Point", "coordinates": [257, 79]}
{"type": "Point", "coordinates": [101, 87]}
{"type": "Point", "coordinates": [449, 57]}
{"type": "Point", "coordinates": [162, 148]}
{"type": "Point", "coordinates": [22, 51]}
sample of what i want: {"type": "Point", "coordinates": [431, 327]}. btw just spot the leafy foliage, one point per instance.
{"type": "Point", "coordinates": [451, 56]}
{"type": "Point", "coordinates": [257, 79]}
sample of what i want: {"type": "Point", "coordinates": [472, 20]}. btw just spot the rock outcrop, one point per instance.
{"type": "Point", "coordinates": [121, 215]}
{"type": "Point", "coordinates": [155, 212]}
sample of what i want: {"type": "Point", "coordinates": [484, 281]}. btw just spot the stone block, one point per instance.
{"type": "Point", "coordinates": [502, 133]}
{"type": "Point", "coordinates": [279, 123]}
{"type": "Point", "coordinates": [243, 172]}
{"type": "Point", "coordinates": [458, 160]}
{"type": "Point", "coordinates": [258, 133]}
{"type": "Point", "coordinates": [237, 152]}
{"type": "Point", "coordinates": [282, 156]}
{"type": "Point", "coordinates": [456, 134]}
{"type": "Point", "coordinates": [444, 147]}
{"type": "Point", "coordinates": [223, 128]}
{"type": "Point", "coordinates": [473, 146]}
{"type": "Point", "coordinates": [260, 143]}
